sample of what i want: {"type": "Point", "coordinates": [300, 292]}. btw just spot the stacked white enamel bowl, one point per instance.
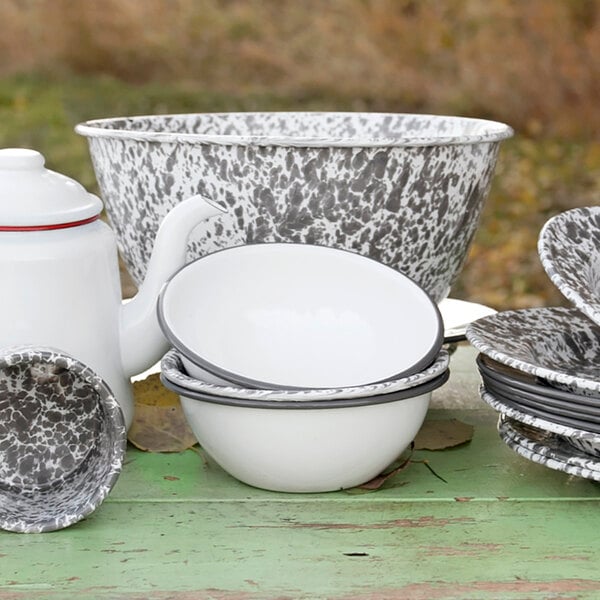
{"type": "Point", "coordinates": [301, 368]}
{"type": "Point", "coordinates": [540, 367]}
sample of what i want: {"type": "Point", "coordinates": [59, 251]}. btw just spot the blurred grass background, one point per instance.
{"type": "Point", "coordinates": [532, 64]}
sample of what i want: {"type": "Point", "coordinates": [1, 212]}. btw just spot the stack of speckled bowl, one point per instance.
{"type": "Point", "coordinates": [540, 366]}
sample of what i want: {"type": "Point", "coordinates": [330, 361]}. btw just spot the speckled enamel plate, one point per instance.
{"type": "Point", "coordinates": [62, 440]}
{"type": "Point", "coordinates": [559, 345]}
{"type": "Point", "coordinates": [537, 398]}
{"type": "Point", "coordinates": [548, 450]}
{"type": "Point", "coordinates": [569, 249]}
{"type": "Point", "coordinates": [524, 382]}
{"type": "Point", "coordinates": [537, 422]}
{"type": "Point", "coordinates": [541, 410]}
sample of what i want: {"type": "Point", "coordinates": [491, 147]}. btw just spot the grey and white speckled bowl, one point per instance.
{"type": "Point", "coordinates": [569, 249]}
{"type": "Point", "coordinates": [406, 190]}
{"type": "Point", "coordinates": [62, 440]}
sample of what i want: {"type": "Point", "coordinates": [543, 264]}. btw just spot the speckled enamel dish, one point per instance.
{"type": "Point", "coordinates": [537, 399]}
{"type": "Point", "coordinates": [549, 450]}
{"type": "Point", "coordinates": [406, 190]}
{"type": "Point", "coordinates": [457, 314]}
{"type": "Point", "coordinates": [291, 316]}
{"type": "Point", "coordinates": [541, 407]}
{"type": "Point", "coordinates": [520, 381]}
{"type": "Point", "coordinates": [307, 446]}
{"type": "Point", "coordinates": [516, 413]}
{"type": "Point", "coordinates": [62, 440]}
{"type": "Point", "coordinates": [559, 345]}
{"type": "Point", "coordinates": [173, 370]}
{"type": "Point", "coordinates": [543, 412]}
{"type": "Point", "coordinates": [569, 249]}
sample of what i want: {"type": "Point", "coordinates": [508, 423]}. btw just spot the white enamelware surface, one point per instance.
{"type": "Point", "coordinates": [313, 450]}
{"type": "Point", "coordinates": [33, 196]}
{"type": "Point", "coordinates": [296, 315]}
{"type": "Point", "coordinates": [458, 314]}
{"type": "Point", "coordinates": [60, 275]}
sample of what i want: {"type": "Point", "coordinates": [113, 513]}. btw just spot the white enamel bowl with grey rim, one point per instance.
{"type": "Point", "coordinates": [316, 446]}
{"type": "Point", "coordinates": [296, 316]}
{"type": "Point", "coordinates": [404, 189]}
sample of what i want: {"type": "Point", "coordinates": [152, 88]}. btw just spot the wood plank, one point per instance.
{"type": "Point", "coordinates": [178, 527]}
{"type": "Point", "coordinates": [317, 549]}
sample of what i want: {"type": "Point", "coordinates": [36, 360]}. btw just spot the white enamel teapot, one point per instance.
{"type": "Point", "coordinates": [59, 273]}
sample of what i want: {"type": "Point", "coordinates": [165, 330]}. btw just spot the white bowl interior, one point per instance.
{"type": "Point", "coordinates": [299, 316]}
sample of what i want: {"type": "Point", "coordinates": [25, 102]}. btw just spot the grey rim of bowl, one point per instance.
{"type": "Point", "coordinates": [583, 426]}
{"type": "Point", "coordinates": [517, 414]}
{"type": "Point", "coordinates": [545, 389]}
{"type": "Point", "coordinates": [251, 383]}
{"type": "Point", "coordinates": [112, 411]}
{"type": "Point", "coordinates": [544, 405]}
{"type": "Point", "coordinates": [424, 388]}
{"type": "Point", "coordinates": [98, 128]}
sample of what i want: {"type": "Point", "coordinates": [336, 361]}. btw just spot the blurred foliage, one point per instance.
{"type": "Point", "coordinates": [534, 65]}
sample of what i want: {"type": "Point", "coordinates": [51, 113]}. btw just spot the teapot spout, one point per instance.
{"type": "Point", "coordinates": [142, 341]}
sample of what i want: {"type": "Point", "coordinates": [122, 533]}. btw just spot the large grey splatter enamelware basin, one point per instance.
{"type": "Point", "coordinates": [406, 190]}
{"type": "Point", "coordinates": [62, 440]}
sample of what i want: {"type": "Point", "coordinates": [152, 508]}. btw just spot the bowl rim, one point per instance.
{"type": "Point", "coordinates": [99, 128]}
{"type": "Point", "coordinates": [418, 390]}
{"type": "Point", "coordinates": [172, 368]}
{"type": "Point", "coordinates": [14, 355]}
{"type": "Point", "coordinates": [249, 382]}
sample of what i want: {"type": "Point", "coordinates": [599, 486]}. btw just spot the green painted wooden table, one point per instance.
{"type": "Point", "coordinates": [178, 527]}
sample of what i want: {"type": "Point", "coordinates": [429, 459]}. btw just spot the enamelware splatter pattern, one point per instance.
{"type": "Point", "coordinates": [406, 190]}
{"type": "Point", "coordinates": [548, 450]}
{"type": "Point", "coordinates": [559, 345]}
{"type": "Point", "coordinates": [62, 440]}
{"type": "Point", "coordinates": [569, 249]}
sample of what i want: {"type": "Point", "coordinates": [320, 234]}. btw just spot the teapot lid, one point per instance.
{"type": "Point", "coordinates": [35, 198]}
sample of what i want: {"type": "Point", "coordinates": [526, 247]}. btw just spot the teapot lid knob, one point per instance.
{"type": "Point", "coordinates": [20, 159]}
{"type": "Point", "coordinates": [35, 198]}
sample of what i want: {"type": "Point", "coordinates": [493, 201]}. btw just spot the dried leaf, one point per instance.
{"type": "Point", "coordinates": [439, 435]}
{"type": "Point", "coordinates": [377, 482]}
{"type": "Point", "coordinates": [159, 424]}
